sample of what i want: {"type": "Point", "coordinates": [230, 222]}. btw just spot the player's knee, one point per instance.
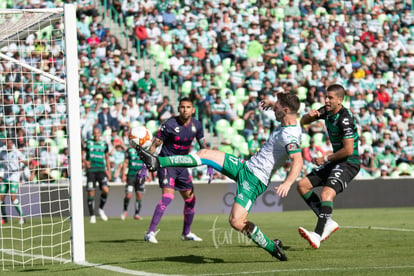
{"type": "Point", "coordinates": [237, 224]}
{"type": "Point", "coordinates": [304, 186]}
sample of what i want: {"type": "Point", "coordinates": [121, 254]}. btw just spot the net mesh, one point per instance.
{"type": "Point", "coordinates": [34, 189]}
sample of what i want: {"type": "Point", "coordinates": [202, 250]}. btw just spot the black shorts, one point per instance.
{"type": "Point", "coordinates": [175, 178]}
{"type": "Point", "coordinates": [132, 184]}
{"type": "Point", "coordinates": [93, 177]}
{"type": "Point", "coordinates": [336, 175]}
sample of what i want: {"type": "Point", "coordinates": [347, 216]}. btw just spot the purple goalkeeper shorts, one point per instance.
{"type": "Point", "coordinates": [175, 178]}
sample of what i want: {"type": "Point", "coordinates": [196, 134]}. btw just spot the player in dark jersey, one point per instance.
{"type": "Point", "coordinates": [135, 180]}
{"type": "Point", "coordinates": [336, 170]}
{"type": "Point", "coordinates": [98, 169]}
{"type": "Point", "coordinates": [176, 136]}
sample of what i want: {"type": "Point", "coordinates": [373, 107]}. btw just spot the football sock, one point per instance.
{"type": "Point", "coordinates": [313, 201]}
{"type": "Point", "coordinates": [188, 214]}
{"type": "Point", "coordinates": [16, 204]}
{"type": "Point", "coordinates": [326, 213]}
{"type": "Point", "coordinates": [91, 205]}
{"type": "Point", "coordinates": [102, 203]}
{"type": "Point", "coordinates": [137, 206]}
{"type": "Point", "coordinates": [159, 211]}
{"type": "Point", "coordinates": [190, 160]}
{"type": "Point", "coordinates": [126, 203]}
{"type": "Point", "coordinates": [260, 239]}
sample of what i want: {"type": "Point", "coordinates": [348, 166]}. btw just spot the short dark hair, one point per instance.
{"type": "Point", "coordinates": [289, 100]}
{"type": "Point", "coordinates": [185, 99]}
{"type": "Point", "coordinates": [338, 89]}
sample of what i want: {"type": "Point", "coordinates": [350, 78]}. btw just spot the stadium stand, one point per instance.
{"type": "Point", "coordinates": [131, 53]}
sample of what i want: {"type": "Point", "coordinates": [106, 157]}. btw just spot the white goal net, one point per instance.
{"type": "Point", "coordinates": [40, 199]}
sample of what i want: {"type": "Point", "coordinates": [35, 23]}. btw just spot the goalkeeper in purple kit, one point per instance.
{"type": "Point", "coordinates": [176, 136]}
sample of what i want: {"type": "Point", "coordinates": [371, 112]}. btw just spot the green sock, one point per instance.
{"type": "Point", "coordinates": [261, 240]}
{"type": "Point", "coordinates": [313, 201]}
{"type": "Point", "coordinates": [16, 204]}
{"type": "Point", "coordinates": [190, 160]}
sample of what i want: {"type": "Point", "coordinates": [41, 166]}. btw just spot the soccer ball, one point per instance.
{"type": "Point", "coordinates": [140, 135]}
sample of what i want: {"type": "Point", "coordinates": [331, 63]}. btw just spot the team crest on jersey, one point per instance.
{"type": "Point", "coordinates": [193, 128]}
{"type": "Point", "coordinates": [246, 186]}
{"type": "Point", "coordinates": [292, 146]}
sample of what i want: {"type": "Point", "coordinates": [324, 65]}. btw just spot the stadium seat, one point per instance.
{"type": "Point", "coordinates": [226, 64]}
{"type": "Point", "coordinates": [316, 105]}
{"type": "Point", "coordinates": [243, 149]}
{"type": "Point", "coordinates": [152, 126]}
{"type": "Point", "coordinates": [238, 124]}
{"type": "Point", "coordinates": [302, 93]}
{"type": "Point", "coordinates": [404, 168]}
{"type": "Point", "coordinates": [305, 139]}
{"type": "Point", "coordinates": [237, 140]}
{"type": "Point", "coordinates": [186, 88]}
{"type": "Point", "coordinates": [229, 133]}
{"type": "Point", "coordinates": [222, 125]}
{"type": "Point", "coordinates": [368, 137]}
{"type": "Point", "coordinates": [240, 95]}
{"type": "Point", "coordinates": [240, 109]}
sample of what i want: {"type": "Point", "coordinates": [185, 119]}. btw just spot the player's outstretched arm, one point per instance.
{"type": "Point", "coordinates": [310, 117]}
{"type": "Point", "coordinates": [297, 163]}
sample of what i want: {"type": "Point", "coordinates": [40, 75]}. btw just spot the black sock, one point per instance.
{"type": "Point", "coordinates": [326, 213]}
{"type": "Point", "coordinates": [91, 205]}
{"type": "Point", "coordinates": [137, 206]}
{"type": "Point", "coordinates": [103, 200]}
{"type": "Point", "coordinates": [313, 201]}
{"type": "Point", "coordinates": [126, 203]}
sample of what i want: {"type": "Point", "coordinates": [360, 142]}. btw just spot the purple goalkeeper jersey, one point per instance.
{"type": "Point", "coordinates": [177, 137]}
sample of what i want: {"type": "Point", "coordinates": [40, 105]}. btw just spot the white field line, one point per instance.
{"type": "Point", "coordinates": [378, 228]}
{"type": "Point", "coordinates": [322, 269]}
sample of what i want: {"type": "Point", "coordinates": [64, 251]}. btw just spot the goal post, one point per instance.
{"type": "Point", "coordinates": [75, 163]}
{"type": "Point", "coordinates": [41, 195]}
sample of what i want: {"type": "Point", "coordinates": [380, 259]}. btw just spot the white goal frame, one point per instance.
{"type": "Point", "coordinates": [72, 107]}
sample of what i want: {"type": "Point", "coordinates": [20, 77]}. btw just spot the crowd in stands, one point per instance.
{"type": "Point", "coordinates": [229, 55]}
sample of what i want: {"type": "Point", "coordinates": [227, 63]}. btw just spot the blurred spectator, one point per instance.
{"type": "Point", "coordinates": [105, 120]}
{"type": "Point", "coordinates": [165, 110]}
{"type": "Point", "coordinates": [385, 161]}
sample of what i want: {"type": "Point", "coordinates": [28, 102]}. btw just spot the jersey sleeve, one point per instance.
{"type": "Point", "coordinates": [322, 112]}
{"type": "Point", "coordinates": [292, 143]}
{"type": "Point", "coordinates": [200, 131]}
{"type": "Point", "coordinates": [347, 126]}
{"type": "Point", "coordinates": [163, 131]}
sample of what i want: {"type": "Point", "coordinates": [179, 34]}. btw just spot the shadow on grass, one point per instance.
{"type": "Point", "coordinates": [192, 259]}
{"type": "Point", "coordinates": [112, 241]}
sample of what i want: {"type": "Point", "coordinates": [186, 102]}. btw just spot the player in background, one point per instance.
{"type": "Point", "coordinates": [176, 136]}
{"type": "Point", "coordinates": [134, 174]}
{"type": "Point", "coordinates": [10, 159]}
{"type": "Point", "coordinates": [336, 170]}
{"type": "Point", "coordinates": [98, 169]}
{"type": "Point", "coordinates": [252, 176]}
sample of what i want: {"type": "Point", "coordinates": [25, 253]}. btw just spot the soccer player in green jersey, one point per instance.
{"type": "Point", "coordinates": [134, 174]}
{"type": "Point", "coordinates": [98, 169]}
{"type": "Point", "coordinates": [336, 170]}
{"type": "Point", "coordinates": [10, 159]}
{"type": "Point", "coordinates": [252, 176]}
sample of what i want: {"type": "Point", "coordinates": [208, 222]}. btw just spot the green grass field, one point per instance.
{"type": "Point", "coordinates": [368, 242]}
